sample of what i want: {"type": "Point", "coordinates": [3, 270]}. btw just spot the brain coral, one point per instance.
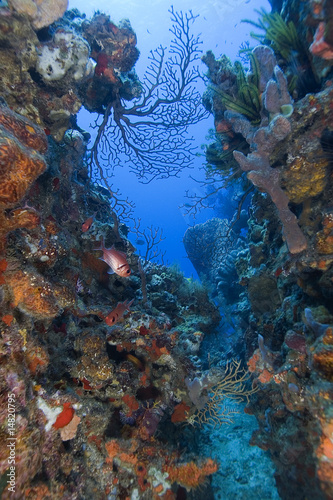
{"type": "Point", "coordinates": [22, 144]}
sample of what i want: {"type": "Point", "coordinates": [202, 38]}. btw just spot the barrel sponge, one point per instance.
{"type": "Point", "coordinates": [22, 144]}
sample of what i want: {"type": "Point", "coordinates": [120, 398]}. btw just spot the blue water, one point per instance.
{"type": "Point", "coordinates": [222, 31]}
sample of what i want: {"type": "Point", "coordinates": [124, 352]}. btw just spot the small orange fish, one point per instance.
{"type": "Point", "coordinates": [117, 312]}
{"type": "Point", "coordinates": [88, 223]}
{"type": "Point", "coordinates": [116, 260]}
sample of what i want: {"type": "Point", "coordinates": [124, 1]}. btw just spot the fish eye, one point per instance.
{"type": "Point", "coordinates": [128, 271]}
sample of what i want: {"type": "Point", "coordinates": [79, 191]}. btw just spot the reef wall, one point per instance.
{"type": "Point", "coordinates": [274, 130]}
{"type": "Point", "coordinates": [94, 402]}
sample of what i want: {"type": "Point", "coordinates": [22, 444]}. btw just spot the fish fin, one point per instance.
{"type": "Point", "coordinates": [102, 247]}
{"type": "Point", "coordinates": [110, 271]}
{"type": "Point", "coordinates": [123, 254]}
{"type": "Point", "coordinates": [129, 304]}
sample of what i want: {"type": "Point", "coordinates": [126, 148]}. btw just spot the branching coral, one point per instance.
{"type": "Point", "coordinates": [232, 387]}
{"type": "Point", "coordinates": [150, 238]}
{"type": "Point", "coordinates": [152, 131]}
{"type": "Point", "coordinates": [123, 381]}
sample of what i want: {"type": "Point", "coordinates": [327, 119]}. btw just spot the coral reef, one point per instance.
{"type": "Point", "coordinates": [113, 48]}
{"type": "Point", "coordinates": [22, 146]}
{"type": "Point", "coordinates": [47, 80]}
{"type": "Point", "coordinates": [281, 319]}
{"type": "Point", "coordinates": [191, 475]}
{"type": "Point", "coordinates": [106, 392]}
{"type": "Point", "coordinates": [263, 141]}
{"type": "Point", "coordinates": [93, 365]}
{"type": "Point", "coordinates": [102, 375]}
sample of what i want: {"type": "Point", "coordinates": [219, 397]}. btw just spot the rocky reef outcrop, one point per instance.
{"type": "Point", "coordinates": [54, 63]}
{"type": "Point", "coordinates": [93, 366]}
{"type": "Point", "coordinates": [279, 130]}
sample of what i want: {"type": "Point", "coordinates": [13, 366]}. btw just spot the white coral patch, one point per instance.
{"type": "Point", "coordinates": [159, 478]}
{"type": "Point", "coordinates": [49, 412]}
{"type": "Point", "coordinates": [67, 52]}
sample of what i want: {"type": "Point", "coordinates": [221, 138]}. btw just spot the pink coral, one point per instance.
{"type": "Point", "coordinates": [69, 431]}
